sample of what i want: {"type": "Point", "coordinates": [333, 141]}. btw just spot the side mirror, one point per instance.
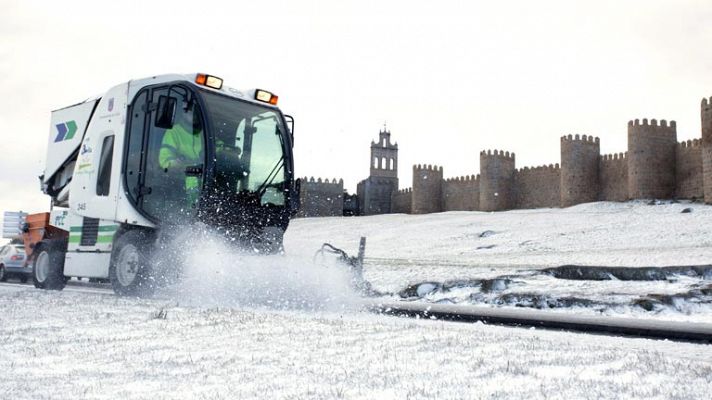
{"type": "Point", "coordinates": [166, 113]}
{"type": "Point", "coordinates": [295, 198]}
{"type": "Point", "coordinates": [290, 125]}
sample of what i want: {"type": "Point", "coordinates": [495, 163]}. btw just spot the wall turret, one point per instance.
{"type": "Point", "coordinates": [496, 180]}
{"type": "Point", "coordinates": [427, 189]}
{"type": "Point", "coordinates": [651, 159]}
{"type": "Point", "coordinates": [706, 115]}
{"type": "Point", "coordinates": [579, 169]}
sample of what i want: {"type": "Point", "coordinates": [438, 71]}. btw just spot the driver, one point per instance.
{"type": "Point", "coordinates": [228, 157]}
{"type": "Point", "coordinates": [182, 146]}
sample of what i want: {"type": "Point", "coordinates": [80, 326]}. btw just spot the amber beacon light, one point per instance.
{"type": "Point", "coordinates": [209, 81]}
{"type": "Point", "coordinates": [265, 96]}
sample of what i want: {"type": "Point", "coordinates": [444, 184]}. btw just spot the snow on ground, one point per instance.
{"type": "Point", "coordinates": [410, 249]}
{"type": "Point", "coordinates": [603, 233]}
{"type": "Point", "coordinates": [282, 327]}
{"type": "Point", "coordinates": [71, 345]}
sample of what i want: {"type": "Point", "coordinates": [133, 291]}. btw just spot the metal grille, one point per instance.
{"type": "Point", "coordinates": [90, 231]}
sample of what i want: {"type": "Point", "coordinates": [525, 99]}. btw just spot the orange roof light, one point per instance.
{"type": "Point", "coordinates": [209, 81]}
{"type": "Point", "coordinates": [265, 96]}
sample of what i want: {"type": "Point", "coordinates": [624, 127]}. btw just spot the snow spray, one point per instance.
{"type": "Point", "coordinates": [215, 273]}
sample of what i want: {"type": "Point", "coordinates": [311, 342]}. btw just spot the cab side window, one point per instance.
{"type": "Point", "coordinates": [103, 182]}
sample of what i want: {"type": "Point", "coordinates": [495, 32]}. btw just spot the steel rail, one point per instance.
{"type": "Point", "coordinates": [632, 327]}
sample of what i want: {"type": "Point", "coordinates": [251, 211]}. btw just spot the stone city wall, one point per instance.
{"type": "Point", "coordinates": [461, 193]}
{"type": "Point", "coordinates": [688, 170]}
{"type": "Point", "coordinates": [655, 166]}
{"type": "Point", "coordinates": [706, 114]}
{"type": "Point", "coordinates": [613, 172]}
{"type": "Point", "coordinates": [537, 187]}
{"type": "Point", "coordinates": [402, 201]}
{"type": "Point", "coordinates": [321, 198]}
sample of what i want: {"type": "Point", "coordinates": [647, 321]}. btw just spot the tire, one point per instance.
{"type": "Point", "coordinates": [48, 267]}
{"type": "Point", "coordinates": [130, 272]}
{"type": "Point", "coordinates": [23, 279]}
{"type": "Point", "coordinates": [3, 277]}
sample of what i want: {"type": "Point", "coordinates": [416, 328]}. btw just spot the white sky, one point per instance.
{"type": "Point", "coordinates": [450, 78]}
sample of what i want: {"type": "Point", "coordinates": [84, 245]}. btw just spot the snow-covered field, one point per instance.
{"type": "Point", "coordinates": [285, 328]}
{"type": "Point", "coordinates": [74, 345]}
{"type": "Point", "coordinates": [405, 250]}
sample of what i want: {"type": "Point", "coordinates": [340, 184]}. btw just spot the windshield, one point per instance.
{"type": "Point", "coordinates": [249, 152]}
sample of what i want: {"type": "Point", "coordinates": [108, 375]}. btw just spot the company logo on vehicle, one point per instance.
{"type": "Point", "coordinates": [65, 131]}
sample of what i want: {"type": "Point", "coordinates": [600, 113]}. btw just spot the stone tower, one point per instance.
{"type": "Point", "coordinates": [427, 189]}
{"type": "Point", "coordinates": [496, 180]}
{"type": "Point", "coordinates": [651, 159]}
{"type": "Point", "coordinates": [375, 192]}
{"type": "Point", "coordinates": [579, 169]}
{"type": "Point", "coordinates": [384, 156]}
{"type": "Point", "coordinates": [706, 114]}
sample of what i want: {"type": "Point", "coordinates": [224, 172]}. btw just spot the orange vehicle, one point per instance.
{"type": "Point", "coordinates": [37, 228]}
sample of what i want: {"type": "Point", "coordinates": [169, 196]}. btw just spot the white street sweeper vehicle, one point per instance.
{"type": "Point", "coordinates": [127, 170]}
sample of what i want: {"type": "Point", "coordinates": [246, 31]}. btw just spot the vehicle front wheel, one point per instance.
{"type": "Point", "coordinates": [48, 268]}
{"type": "Point", "coordinates": [130, 271]}
{"type": "Point", "coordinates": [3, 278]}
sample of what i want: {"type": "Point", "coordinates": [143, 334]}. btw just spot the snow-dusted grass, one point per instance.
{"type": "Point", "coordinates": [73, 345]}
{"type": "Point", "coordinates": [408, 249]}
{"type": "Point", "coordinates": [627, 234]}
{"type": "Point", "coordinates": [283, 328]}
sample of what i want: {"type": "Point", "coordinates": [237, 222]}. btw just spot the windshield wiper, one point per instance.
{"type": "Point", "coordinates": [270, 178]}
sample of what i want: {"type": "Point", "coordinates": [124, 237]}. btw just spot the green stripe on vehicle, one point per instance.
{"type": "Point", "coordinates": [105, 239]}
{"type": "Point", "coordinates": [105, 228]}
{"type": "Point", "coordinates": [100, 239]}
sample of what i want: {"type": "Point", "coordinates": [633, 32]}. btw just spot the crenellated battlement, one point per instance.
{"type": "Point", "coordinates": [581, 138]}
{"type": "Point", "coordinates": [689, 144]}
{"type": "Point", "coordinates": [497, 153]}
{"type": "Point", "coordinates": [325, 182]}
{"type": "Point", "coordinates": [653, 122]}
{"type": "Point", "coordinates": [541, 168]}
{"type": "Point", "coordinates": [427, 167]}
{"type": "Point", "coordinates": [466, 178]}
{"type": "Point", "coordinates": [615, 157]}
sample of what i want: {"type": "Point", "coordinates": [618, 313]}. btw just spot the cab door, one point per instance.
{"type": "Point", "coordinates": [164, 164]}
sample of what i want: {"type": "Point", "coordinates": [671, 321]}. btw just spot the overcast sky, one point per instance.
{"type": "Point", "coordinates": [449, 78]}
